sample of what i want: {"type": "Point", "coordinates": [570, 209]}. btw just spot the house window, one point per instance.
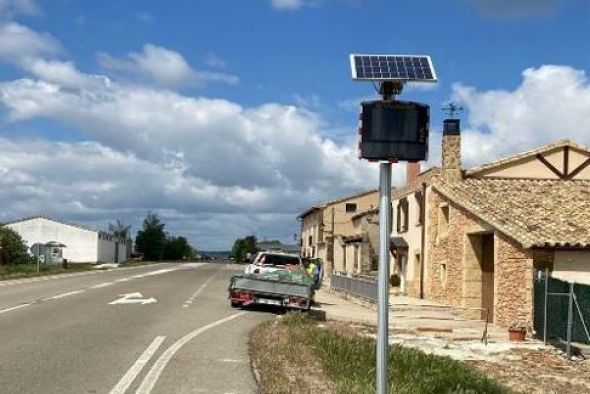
{"type": "Point", "coordinates": [350, 208]}
{"type": "Point", "coordinates": [443, 220]}
{"type": "Point", "coordinates": [391, 209]}
{"type": "Point", "coordinates": [443, 274]}
{"type": "Point", "coordinates": [398, 218]}
{"type": "Point", "coordinates": [310, 240]}
{"type": "Point", "coordinates": [419, 212]}
{"type": "Point", "coordinates": [402, 215]}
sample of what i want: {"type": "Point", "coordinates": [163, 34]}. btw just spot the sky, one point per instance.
{"type": "Point", "coordinates": [230, 117]}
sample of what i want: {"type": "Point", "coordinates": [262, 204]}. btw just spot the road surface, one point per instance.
{"type": "Point", "coordinates": [165, 328]}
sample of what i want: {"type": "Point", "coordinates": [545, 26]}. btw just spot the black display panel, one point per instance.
{"type": "Point", "coordinates": [394, 130]}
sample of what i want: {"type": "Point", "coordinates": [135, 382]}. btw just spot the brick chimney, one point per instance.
{"type": "Point", "coordinates": [412, 171]}
{"type": "Point", "coordinates": [451, 150]}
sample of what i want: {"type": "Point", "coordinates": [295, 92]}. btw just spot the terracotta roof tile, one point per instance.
{"type": "Point", "coordinates": [536, 213]}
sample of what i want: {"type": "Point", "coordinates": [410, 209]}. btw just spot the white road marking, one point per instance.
{"type": "Point", "coordinates": [142, 301]}
{"type": "Point", "coordinates": [136, 368]}
{"type": "Point", "coordinates": [133, 298]}
{"type": "Point", "coordinates": [101, 285]}
{"type": "Point", "coordinates": [232, 360]}
{"type": "Point", "coordinates": [84, 273]}
{"type": "Point", "coordinates": [199, 290]}
{"type": "Point", "coordinates": [13, 308]}
{"type": "Point", "coordinates": [63, 295]}
{"type": "Point", "coordinates": [153, 375]}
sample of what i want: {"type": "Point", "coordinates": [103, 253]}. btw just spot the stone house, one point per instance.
{"type": "Point", "coordinates": [475, 238]}
{"type": "Point", "coordinates": [491, 227]}
{"type": "Point", "coordinates": [326, 227]}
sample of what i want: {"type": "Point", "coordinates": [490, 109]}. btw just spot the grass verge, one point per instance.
{"type": "Point", "coordinates": [30, 270]}
{"type": "Point", "coordinates": [297, 355]}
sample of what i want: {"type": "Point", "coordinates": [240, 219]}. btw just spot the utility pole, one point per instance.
{"type": "Point", "coordinates": [383, 284]}
{"type": "Point", "coordinates": [390, 131]}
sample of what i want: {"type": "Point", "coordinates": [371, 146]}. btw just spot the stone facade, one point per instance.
{"type": "Point", "coordinates": [456, 276]}
{"type": "Point", "coordinates": [451, 157]}
{"type": "Point", "coordinates": [514, 282]}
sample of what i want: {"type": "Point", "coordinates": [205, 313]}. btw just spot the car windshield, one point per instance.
{"type": "Point", "coordinates": [273, 259]}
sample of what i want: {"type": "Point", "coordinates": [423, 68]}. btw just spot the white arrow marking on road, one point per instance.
{"type": "Point", "coordinates": [133, 298]}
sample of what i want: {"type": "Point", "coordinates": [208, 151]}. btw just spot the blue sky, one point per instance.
{"type": "Point", "coordinates": [228, 117]}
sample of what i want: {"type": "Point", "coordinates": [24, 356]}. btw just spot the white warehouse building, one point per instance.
{"type": "Point", "coordinates": [82, 244]}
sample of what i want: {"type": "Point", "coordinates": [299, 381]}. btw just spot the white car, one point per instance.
{"type": "Point", "coordinates": [273, 261]}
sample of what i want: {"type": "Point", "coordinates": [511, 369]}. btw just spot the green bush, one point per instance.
{"type": "Point", "coordinates": [395, 280]}
{"type": "Point", "coordinates": [14, 249]}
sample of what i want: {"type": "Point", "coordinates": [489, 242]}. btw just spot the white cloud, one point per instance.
{"type": "Point", "coordinates": [93, 184]}
{"type": "Point", "coordinates": [212, 60]}
{"type": "Point", "coordinates": [287, 4]}
{"type": "Point", "coordinates": [62, 73]}
{"type": "Point", "coordinates": [270, 145]}
{"type": "Point", "coordinates": [163, 66]}
{"type": "Point", "coordinates": [550, 104]}
{"type": "Point", "coordinates": [19, 43]}
{"type": "Point", "coordinates": [186, 155]}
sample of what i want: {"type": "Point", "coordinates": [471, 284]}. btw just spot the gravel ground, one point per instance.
{"type": "Point", "coordinates": [538, 371]}
{"type": "Point", "coordinates": [526, 367]}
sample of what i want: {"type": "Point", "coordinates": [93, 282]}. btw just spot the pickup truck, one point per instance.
{"type": "Point", "coordinates": [273, 279]}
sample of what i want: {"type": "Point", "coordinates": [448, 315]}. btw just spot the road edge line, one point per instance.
{"type": "Point", "coordinates": [150, 380]}
{"type": "Point", "coordinates": [127, 379]}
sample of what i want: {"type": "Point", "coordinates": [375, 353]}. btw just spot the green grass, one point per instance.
{"type": "Point", "coordinates": [30, 270]}
{"type": "Point", "coordinates": [349, 362]}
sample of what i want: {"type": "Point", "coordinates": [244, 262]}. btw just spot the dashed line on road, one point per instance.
{"type": "Point", "coordinates": [150, 380]}
{"type": "Point", "coordinates": [192, 298]}
{"type": "Point", "coordinates": [101, 285]}
{"type": "Point", "coordinates": [14, 308]}
{"type": "Point", "coordinates": [63, 295]}
{"type": "Point", "coordinates": [60, 276]}
{"type": "Point", "coordinates": [98, 286]}
{"type": "Point", "coordinates": [136, 368]}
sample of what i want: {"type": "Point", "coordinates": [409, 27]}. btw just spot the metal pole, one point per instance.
{"type": "Point", "coordinates": [570, 319]}
{"type": "Point", "coordinates": [383, 301]}
{"type": "Point", "coordinates": [545, 310]}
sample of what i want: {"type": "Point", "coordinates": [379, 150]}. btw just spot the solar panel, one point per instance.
{"type": "Point", "coordinates": [404, 68]}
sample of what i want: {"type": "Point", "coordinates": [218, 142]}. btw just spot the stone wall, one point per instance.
{"type": "Point", "coordinates": [445, 252]}
{"type": "Point", "coordinates": [451, 157]}
{"type": "Point", "coordinates": [454, 277]}
{"type": "Point", "coordinates": [514, 282]}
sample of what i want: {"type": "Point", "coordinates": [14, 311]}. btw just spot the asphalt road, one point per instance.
{"type": "Point", "coordinates": [92, 332]}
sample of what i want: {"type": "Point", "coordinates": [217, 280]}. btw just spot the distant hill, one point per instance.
{"type": "Point", "coordinates": [219, 255]}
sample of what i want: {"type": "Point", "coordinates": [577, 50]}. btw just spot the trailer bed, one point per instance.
{"type": "Point", "coordinates": [247, 290]}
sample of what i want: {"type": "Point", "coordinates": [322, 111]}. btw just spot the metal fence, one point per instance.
{"type": "Point", "coordinates": [362, 287]}
{"type": "Point", "coordinates": [562, 311]}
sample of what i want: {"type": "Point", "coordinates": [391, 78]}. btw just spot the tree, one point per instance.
{"type": "Point", "coordinates": [243, 246]}
{"type": "Point", "coordinates": [13, 250]}
{"type": "Point", "coordinates": [151, 240]}
{"type": "Point", "coordinates": [178, 248]}
{"type": "Point", "coordinates": [119, 230]}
